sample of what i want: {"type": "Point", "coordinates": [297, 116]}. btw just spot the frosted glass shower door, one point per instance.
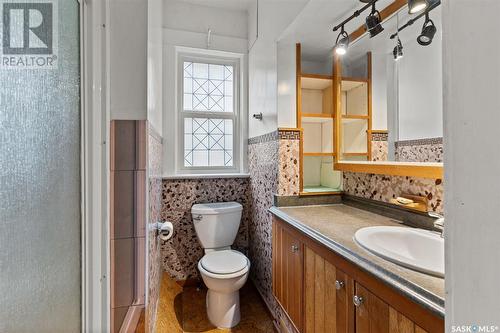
{"type": "Point", "coordinates": [40, 259]}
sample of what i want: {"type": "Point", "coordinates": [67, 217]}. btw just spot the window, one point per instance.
{"type": "Point", "coordinates": [208, 113]}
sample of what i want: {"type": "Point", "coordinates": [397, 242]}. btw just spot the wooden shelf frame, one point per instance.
{"type": "Point", "coordinates": [332, 154]}
{"type": "Point", "coordinates": [420, 170]}
{"type": "Point", "coordinates": [316, 76]}
{"type": "Point", "coordinates": [355, 116]}
{"type": "Point", "coordinates": [300, 118]}
{"type": "Point", "coordinates": [318, 115]}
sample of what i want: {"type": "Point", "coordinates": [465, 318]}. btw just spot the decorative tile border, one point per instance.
{"type": "Point", "coordinates": [271, 136]}
{"type": "Point", "coordinates": [419, 142]}
{"type": "Point", "coordinates": [289, 133]}
{"type": "Point", "coordinates": [379, 136]}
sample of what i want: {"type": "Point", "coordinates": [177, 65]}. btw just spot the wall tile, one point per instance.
{"type": "Point", "coordinates": [123, 141]}
{"type": "Point", "coordinates": [122, 204]}
{"type": "Point", "coordinates": [122, 272]}
{"type": "Point", "coordinates": [154, 210]}
{"type": "Point", "coordinates": [182, 253]}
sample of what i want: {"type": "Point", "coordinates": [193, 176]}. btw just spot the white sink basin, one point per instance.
{"type": "Point", "coordinates": [417, 249]}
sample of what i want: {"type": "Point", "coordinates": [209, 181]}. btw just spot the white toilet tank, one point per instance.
{"type": "Point", "coordinates": [216, 224]}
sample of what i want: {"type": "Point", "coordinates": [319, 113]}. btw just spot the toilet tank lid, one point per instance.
{"type": "Point", "coordinates": [216, 208]}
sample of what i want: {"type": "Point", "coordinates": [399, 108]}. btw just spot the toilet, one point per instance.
{"type": "Point", "coordinates": [223, 270]}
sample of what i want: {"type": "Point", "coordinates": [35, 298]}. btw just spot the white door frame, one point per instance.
{"type": "Point", "coordinates": [95, 296]}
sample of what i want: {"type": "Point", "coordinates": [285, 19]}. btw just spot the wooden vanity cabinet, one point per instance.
{"type": "Point", "coordinates": [328, 291]}
{"type": "Point", "coordinates": [322, 292]}
{"type": "Point", "coordinates": [288, 254]}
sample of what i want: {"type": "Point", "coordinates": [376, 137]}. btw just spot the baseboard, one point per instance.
{"type": "Point", "coordinates": [131, 319]}
{"type": "Point", "coordinates": [189, 282]}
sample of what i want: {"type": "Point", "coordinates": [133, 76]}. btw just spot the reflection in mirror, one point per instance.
{"type": "Point", "coordinates": [406, 122]}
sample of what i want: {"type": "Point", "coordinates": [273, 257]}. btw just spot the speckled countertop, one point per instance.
{"type": "Point", "coordinates": [334, 227]}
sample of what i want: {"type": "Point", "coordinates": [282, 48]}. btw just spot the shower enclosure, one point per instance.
{"type": "Point", "coordinates": [40, 173]}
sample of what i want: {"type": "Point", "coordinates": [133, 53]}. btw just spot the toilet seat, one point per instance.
{"type": "Point", "coordinates": [224, 264]}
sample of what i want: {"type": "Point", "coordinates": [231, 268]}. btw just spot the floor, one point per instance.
{"type": "Point", "coordinates": [183, 310]}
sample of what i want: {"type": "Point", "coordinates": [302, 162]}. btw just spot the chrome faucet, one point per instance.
{"type": "Point", "coordinates": [439, 223]}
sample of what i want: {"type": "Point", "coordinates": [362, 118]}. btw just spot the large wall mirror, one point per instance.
{"type": "Point", "coordinates": [390, 110]}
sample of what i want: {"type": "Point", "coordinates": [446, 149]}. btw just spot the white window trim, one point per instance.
{"type": "Point", "coordinates": [239, 115]}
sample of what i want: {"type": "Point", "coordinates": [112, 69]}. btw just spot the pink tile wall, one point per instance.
{"type": "Point", "coordinates": [127, 219]}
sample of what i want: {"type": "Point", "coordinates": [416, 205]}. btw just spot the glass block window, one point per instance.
{"type": "Point", "coordinates": [208, 87]}
{"type": "Point", "coordinates": [208, 142]}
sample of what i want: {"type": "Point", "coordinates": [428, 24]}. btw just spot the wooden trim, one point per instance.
{"type": "Point", "coordinates": [317, 115]}
{"type": "Point", "coordinates": [319, 154]}
{"type": "Point", "coordinates": [385, 13]}
{"type": "Point", "coordinates": [416, 313]}
{"type": "Point", "coordinates": [307, 194]}
{"type": "Point", "coordinates": [355, 154]}
{"type": "Point", "coordinates": [378, 131]}
{"type": "Point", "coordinates": [337, 107]}
{"type": "Point", "coordinates": [368, 137]}
{"type": "Point", "coordinates": [316, 76]}
{"type": "Point", "coordinates": [354, 79]}
{"type": "Point", "coordinates": [289, 129]}
{"type": "Point", "coordinates": [298, 84]}
{"type": "Point", "coordinates": [420, 170]}
{"type": "Point", "coordinates": [355, 116]}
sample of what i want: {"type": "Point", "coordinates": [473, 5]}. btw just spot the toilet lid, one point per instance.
{"type": "Point", "coordinates": [224, 262]}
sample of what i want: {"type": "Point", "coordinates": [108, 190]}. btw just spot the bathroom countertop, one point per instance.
{"type": "Point", "coordinates": [334, 226]}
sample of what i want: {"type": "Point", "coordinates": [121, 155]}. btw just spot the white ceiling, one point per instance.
{"type": "Point", "coordinates": [242, 5]}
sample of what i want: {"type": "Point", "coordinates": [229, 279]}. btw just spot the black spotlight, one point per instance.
{"type": "Point", "coordinates": [398, 50]}
{"type": "Point", "coordinates": [373, 22]}
{"type": "Point", "coordinates": [342, 42]}
{"type": "Point", "coordinates": [428, 32]}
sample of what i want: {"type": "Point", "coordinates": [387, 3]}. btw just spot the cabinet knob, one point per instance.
{"type": "Point", "coordinates": [339, 284]}
{"type": "Point", "coordinates": [357, 300]}
{"type": "Point", "coordinates": [295, 248]}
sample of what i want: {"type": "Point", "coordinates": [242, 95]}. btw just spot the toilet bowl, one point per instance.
{"type": "Point", "coordinates": [223, 270]}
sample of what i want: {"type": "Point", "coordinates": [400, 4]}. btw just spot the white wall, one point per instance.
{"type": "Point", "coordinates": [155, 65]}
{"type": "Point", "coordinates": [420, 89]}
{"type": "Point", "coordinates": [274, 16]}
{"type": "Point", "coordinates": [379, 91]}
{"type": "Point", "coordinates": [471, 112]}
{"type": "Point", "coordinates": [186, 25]}
{"type": "Point", "coordinates": [185, 16]}
{"type": "Point", "coordinates": [127, 57]}
{"type": "Point", "coordinates": [287, 104]}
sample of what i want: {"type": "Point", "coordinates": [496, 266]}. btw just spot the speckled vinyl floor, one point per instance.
{"type": "Point", "coordinates": [183, 310]}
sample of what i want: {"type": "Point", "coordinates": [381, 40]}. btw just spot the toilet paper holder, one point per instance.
{"type": "Point", "coordinates": [164, 230]}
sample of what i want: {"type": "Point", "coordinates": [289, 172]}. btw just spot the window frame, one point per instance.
{"type": "Point", "coordinates": [181, 114]}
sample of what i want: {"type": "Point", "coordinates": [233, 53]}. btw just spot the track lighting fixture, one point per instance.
{"type": "Point", "coordinates": [428, 31]}
{"type": "Point", "coordinates": [373, 22]}
{"type": "Point", "coordinates": [415, 6]}
{"type": "Point", "coordinates": [398, 50]}
{"type": "Point", "coordinates": [342, 42]}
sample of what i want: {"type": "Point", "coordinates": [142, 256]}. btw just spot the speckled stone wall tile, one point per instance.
{"type": "Point", "coordinates": [154, 259]}
{"type": "Point", "coordinates": [384, 188]}
{"type": "Point", "coordinates": [180, 254]}
{"type": "Point", "coordinates": [289, 172]}
{"type": "Point", "coordinates": [424, 150]}
{"type": "Point", "coordinates": [380, 150]}
{"type": "Point", "coordinates": [264, 167]}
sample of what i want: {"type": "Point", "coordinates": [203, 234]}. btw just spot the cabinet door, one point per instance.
{"type": "Point", "coordinates": [327, 290]}
{"type": "Point", "coordinates": [288, 272]}
{"type": "Point", "coordinates": [375, 316]}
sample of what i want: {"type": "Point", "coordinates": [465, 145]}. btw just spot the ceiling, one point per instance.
{"type": "Point", "coordinates": [242, 5]}
{"type": "Point", "coordinates": [313, 26]}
